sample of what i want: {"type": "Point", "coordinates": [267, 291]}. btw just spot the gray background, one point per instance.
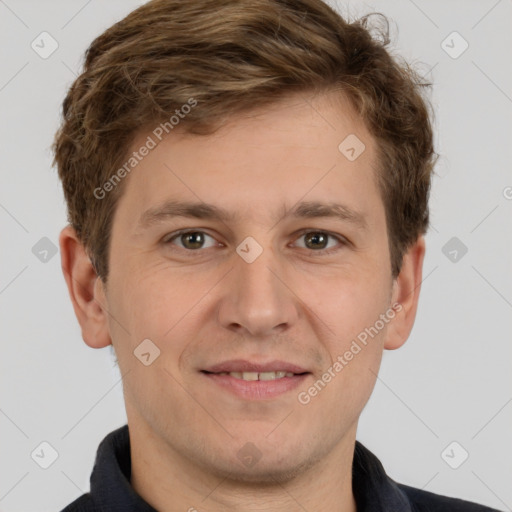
{"type": "Point", "coordinates": [450, 382]}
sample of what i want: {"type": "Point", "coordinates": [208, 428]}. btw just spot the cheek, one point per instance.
{"type": "Point", "coordinates": [347, 302]}
{"type": "Point", "coordinates": [161, 305]}
{"type": "Point", "coordinates": [354, 346]}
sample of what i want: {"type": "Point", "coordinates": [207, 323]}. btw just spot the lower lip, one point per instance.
{"type": "Point", "coordinates": [256, 389]}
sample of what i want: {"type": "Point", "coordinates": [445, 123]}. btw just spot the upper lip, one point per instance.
{"type": "Point", "coordinates": [242, 365]}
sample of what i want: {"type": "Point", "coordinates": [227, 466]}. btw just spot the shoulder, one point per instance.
{"type": "Point", "coordinates": [424, 501]}
{"type": "Point", "coordinates": [81, 504]}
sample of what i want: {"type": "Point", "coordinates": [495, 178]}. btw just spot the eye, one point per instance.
{"type": "Point", "coordinates": [191, 240]}
{"type": "Point", "coordinates": [317, 241]}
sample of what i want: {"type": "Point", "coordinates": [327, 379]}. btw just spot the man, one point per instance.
{"type": "Point", "coordinates": [247, 186]}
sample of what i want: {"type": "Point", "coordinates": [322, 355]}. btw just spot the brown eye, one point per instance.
{"type": "Point", "coordinates": [318, 241]}
{"type": "Point", "coordinates": [191, 240]}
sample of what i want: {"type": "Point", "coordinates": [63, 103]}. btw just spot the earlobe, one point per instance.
{"type": "Point", "coordinates": [85, 290]}
{"type": "Point", "coordinates": [406, 291]}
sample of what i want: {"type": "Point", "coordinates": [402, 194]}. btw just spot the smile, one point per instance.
{"type": "Point", "coordinates": [255, 385]}
{"type": "Point", "coordinates": [251, 376]}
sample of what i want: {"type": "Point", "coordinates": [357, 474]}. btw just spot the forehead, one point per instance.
{"type": "Point", "coordinates": [303, 149]}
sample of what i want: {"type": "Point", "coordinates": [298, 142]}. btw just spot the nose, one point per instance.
{"type": "Point", "coordinates": [258, 298]}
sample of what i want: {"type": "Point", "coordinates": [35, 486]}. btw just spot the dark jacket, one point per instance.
{"type": "Point", "coordinates": [374, 491]}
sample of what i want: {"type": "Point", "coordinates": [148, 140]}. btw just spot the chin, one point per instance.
{"type": "Point", "coordinates": [281, 470]}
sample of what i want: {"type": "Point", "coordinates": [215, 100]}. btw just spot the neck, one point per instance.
{"type": "Point", "coordinates": [170, 482]}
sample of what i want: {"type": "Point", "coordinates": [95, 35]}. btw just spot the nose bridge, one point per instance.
{"type": "Point", "coordinates": [257, 300]}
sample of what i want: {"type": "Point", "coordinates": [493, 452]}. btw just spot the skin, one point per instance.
{"type": "Point", "coordinates": [207, 305]}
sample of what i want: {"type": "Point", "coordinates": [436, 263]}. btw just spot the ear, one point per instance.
{"type": "Point", "coordinates": [406, 292]}
{"type": "Point", "coordinates": [86, 290]}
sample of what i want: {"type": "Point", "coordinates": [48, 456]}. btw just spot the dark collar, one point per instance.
{"type": "Point", "coordinates": [373, 489]}
{"type": "Point", "coordinates": [110, 479]}
{"type": "Point", "coordinates": [111, 489]}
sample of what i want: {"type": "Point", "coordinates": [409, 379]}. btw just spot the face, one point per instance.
{"type": "Point", "coordinates": [277, 282]}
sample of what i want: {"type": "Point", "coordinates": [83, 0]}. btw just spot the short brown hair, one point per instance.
{"type": "Point", "coordinates": [232, 56]}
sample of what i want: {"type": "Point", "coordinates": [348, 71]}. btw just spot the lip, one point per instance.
{"type": "Point", "coordinates": [242, 365]}
{"type": "Point", "coordinates": [256, 389]}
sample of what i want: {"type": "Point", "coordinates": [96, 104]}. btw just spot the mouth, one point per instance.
{"type": "Point", "coordinates": [254, 376]}
{"type": "Point", "coordinates": [252, 381]}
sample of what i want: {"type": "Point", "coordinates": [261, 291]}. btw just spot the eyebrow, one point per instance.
{"type": "Point", "coordinates": [198, 210]}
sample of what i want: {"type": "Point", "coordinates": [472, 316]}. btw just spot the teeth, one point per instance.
{"type": "Point", "coordinates": [259, 376]}
{"type": "Point", "coordinates": [272, 375]}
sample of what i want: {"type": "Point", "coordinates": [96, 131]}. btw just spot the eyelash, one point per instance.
{"type": "Point", "coordinates": [343, 242]}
